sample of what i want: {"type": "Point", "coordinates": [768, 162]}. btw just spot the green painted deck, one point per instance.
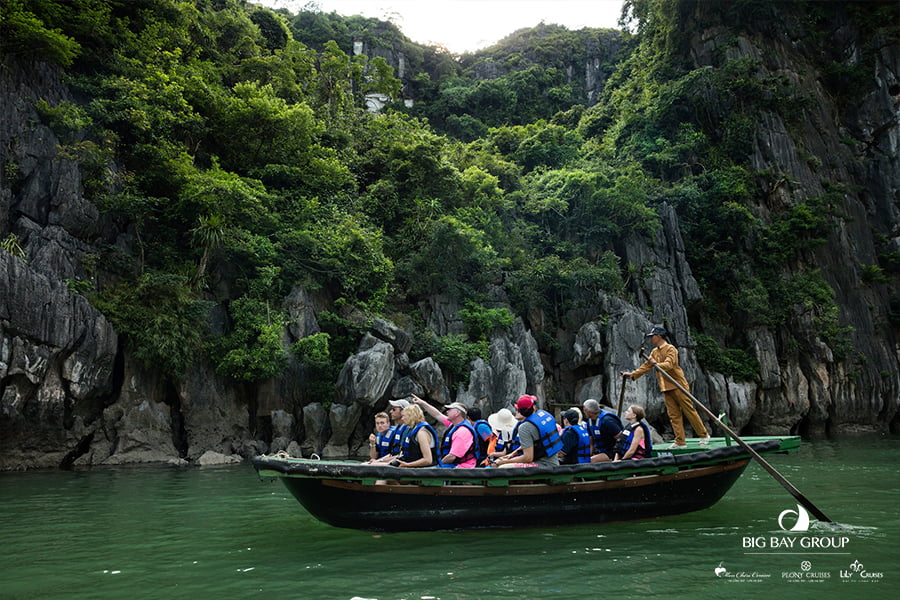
{"type": "Point", "coordinates": [789, 443]}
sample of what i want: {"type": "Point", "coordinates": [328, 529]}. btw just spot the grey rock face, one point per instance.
{"type": "Point", "coordinates": [301, 313]}
{"type": "Point", "coordinates": [56, 362]}
{"type": "Point", "coordinates": [315, 420]}
{"type": "Point", "coordinates": [343, 420]}
{"type": "Point", "coordinates": [390, 333]}
{"type": "Point", "coordinates": [366, 376]}
{"type": "Point", "coordinates": [664, 280]}
{"type": "Point", "coordinates": [211, 459]}
{"type": "Point", "coordinates": [826, 391]}
{"type": "Point", "coordinates": [588, 347]}
{"type": "Point", "coordinates": [283, 424]}
{"type": "Point", "coordinates": [427, 375]}
{"type": "Point", "coordinates": [441, 314]}
{"type": "Point", "coordinates": [48, 187]}
{"type": "Point", "coordinates": [515, 368]}
{"type": "Point", "coordinates": [137, 427]}
{"type": "Point", "coordinates": [146, 433]}
{"type": "Point", "coordinates": [216, 416]}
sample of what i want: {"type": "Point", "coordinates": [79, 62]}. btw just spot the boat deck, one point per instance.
{"type": "Point", "coordinates": [789, 443]}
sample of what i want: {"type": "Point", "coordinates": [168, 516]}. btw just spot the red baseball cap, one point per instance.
{"type": "Point", "coordinates": [525, 402]}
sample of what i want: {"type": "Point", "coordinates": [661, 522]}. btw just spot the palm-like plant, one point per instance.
{"type": "Point", "coordinates": [11, 245]}
{"type": "Point", "coordinates": [209, 234]}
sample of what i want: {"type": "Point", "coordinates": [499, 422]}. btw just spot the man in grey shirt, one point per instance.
{"type": "Point", "coordinates": [534, 425]}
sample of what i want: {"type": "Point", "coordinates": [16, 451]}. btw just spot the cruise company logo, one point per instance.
{"type": "Point", "coordinates": [803, 545]}
{"type": "Point", "coordinates": [857, 572]}
{"type": "Point", "coordinates": [796, 521]}
{"type": "Point", "coordinates": [740, 576]}
{"type": "Point", "coordinates": [800, 524]}
{"type": "Point", "coordinates": [806, 573]}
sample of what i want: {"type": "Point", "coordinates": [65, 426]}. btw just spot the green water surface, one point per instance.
{"type": "Point", "coordinates": [163, 532]}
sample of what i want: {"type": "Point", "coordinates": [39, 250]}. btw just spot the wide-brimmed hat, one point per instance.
{"type": "Point", "coordinates": [502, 420]}
{"type": "Point", "coordinates": [458, 406]}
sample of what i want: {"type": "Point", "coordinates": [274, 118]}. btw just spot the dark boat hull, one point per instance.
{"type": "Point", "coordinates": [348, 494]}
{"type": "Point", "coordinates": [390, 508]}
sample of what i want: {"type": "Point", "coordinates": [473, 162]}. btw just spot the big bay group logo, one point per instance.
{"type": "Point", "coordinates": [812, 553]}
{"type": "Point", "coordinates": [796, 522]}
{"type": "Point", "coordinates": [801, 523]}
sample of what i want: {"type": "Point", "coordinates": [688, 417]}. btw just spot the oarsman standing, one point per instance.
{"type": "Point", "coordinates": [678, 405]}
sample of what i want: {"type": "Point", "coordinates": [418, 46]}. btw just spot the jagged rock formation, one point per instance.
{"type": "Point", "coordinates": [56, 364]}
{"type": "Point", "coordinates": [71, 394]}
{"type": "Point", "coordinates": [862, 390]}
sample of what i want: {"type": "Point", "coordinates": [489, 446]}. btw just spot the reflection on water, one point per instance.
{"type": "Point", "coordinates": [153, 532]}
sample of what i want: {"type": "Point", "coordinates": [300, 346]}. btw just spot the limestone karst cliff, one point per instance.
{"type": "Point", "coordinates": [72, 391]}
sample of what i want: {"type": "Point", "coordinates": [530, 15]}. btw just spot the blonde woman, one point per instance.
{"type": "Point", "coordinates": [419, 447]}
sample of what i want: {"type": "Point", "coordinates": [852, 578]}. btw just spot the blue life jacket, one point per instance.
{"type": "Point", "coordinates": [627, 436]}
{"type": "Point", "coordinates": [398, 434]}
{"type": "Point", "coordinates": [411, 451]}
{"type": "Point", "coordinates": [383, 442]}
{"type": "Point", "coordinates": [514, 443]}
{"type": "Point", "coordinates": [483, 429]}
{"type": "Point", "coordinates": [471, 452]}
{"type": "Point", "coordinates": [583, 449]}
{"type": "Point", "coordinates": [549, 440]}
{"type": "Point", "coordinates": [593, 426]}
{"type": "Point", "coordinates": [507, 442]}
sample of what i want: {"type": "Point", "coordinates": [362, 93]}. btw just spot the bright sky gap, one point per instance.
{"type": "Point", "coordinates": [468, 25]}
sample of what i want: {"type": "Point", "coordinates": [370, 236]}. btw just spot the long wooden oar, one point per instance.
{"type": "Point", "coordinates": [765, 465]}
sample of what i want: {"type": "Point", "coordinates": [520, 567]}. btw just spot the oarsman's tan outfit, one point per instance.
{"type": "Point", "coordinates": [678, 404]}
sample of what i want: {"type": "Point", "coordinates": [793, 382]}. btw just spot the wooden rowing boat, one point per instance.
{"type": "Point", "coordinates": [358, 496]}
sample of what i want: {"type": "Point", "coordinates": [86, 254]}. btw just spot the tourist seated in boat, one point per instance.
{"type": "Point", "coordinates": [635, 441]}
{"type": "Point", "coordinates": [458, 447]}
{"type": "Point", "coordinates": [396, 433]}
{"type": "Point", "coordinates": [482, 432]}
{"type": "Point", "coordinates": [399, 429]}
{"type": "Point", "coordinates": [603, 426]}
{"type": "Point", "coordinates": [420, 445]}
{"type": "Point", "coordinates": [538, 437]}
{"type": "Point", "coordinates": [576, 442]}
{"type": "Point", "coordinates": [380, 440]}
{"type": "Point", "coordinates": [515, 447]}
{"type": "Point", "coordinates": [502, 440]}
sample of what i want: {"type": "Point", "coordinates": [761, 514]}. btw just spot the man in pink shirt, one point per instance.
{"type": "Point", "coordinates": [458, 447]}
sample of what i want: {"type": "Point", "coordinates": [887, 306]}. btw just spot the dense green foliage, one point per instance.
{"type": "Point", "coordinates": [162, 319]}
{"type": "Point", "coordinates": [247, 165]}
{"type": "Point", "coordinates": [731, 362]}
